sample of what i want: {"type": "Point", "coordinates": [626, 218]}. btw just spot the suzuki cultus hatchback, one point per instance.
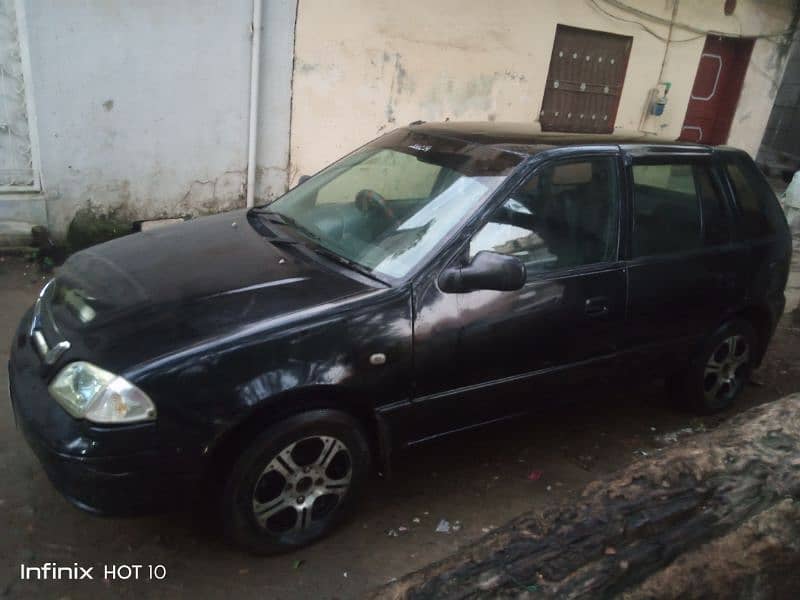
{"type": "Point", "coordinates": [441, 277]}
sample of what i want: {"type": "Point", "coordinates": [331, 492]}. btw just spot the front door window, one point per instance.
{"type": "Point", "coordinates": [564, 216]}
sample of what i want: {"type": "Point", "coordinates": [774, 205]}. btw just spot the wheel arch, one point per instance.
{"type": "Point", "coordinates": [763, 321]}
{"type": "Point", "coordinates": [232, 442]}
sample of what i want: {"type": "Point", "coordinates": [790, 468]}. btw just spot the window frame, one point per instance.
{"type": "Point", "coordinates": [566, 155]}
{"type": "Point", "coordinates": [30, 107]}
{"type": "Point", "coordinates": [718, 183]}
{"type": "Point", "coordinates": [722, 160]}
{"type": "Point", "coordinates": [705, 160]}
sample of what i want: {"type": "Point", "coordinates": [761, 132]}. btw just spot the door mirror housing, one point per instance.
{"type": "Point", "coordinates": [486, 271]}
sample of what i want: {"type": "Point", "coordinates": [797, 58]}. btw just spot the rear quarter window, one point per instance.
{"type": "Point", "coordinates": [759, 213]}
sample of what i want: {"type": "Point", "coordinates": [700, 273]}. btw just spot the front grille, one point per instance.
{"type": "Point", "coordinates": [44, 333]}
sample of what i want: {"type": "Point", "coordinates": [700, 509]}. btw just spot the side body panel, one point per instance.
{"type": "Point", "coordinates": [204, 398]}
{"type": "Point", "coordinates": [675, 301]}
{"type": "Point", "coordinates": [487, 355]}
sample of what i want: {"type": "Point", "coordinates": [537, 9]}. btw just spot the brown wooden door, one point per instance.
{"type": "Point", "coordinates": [584, 83]}
{"type": "Point", "coordinates": [716, 90]}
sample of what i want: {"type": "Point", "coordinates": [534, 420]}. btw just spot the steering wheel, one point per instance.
{"type": "Point", "coordinates": [370, 201]}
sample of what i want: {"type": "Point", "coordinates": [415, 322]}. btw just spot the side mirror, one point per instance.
{"type": "Point", "coordinates": [303, 179]}
{"type": "Point", "coordinates": [486, 271]}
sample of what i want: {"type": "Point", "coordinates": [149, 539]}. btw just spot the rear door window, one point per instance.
{"type": "Point", "coordinates": [760, 215]}
{"type": "Point", "coordinates": [677, 208]}
{"type": "Point", "coordinates": [666, 210]}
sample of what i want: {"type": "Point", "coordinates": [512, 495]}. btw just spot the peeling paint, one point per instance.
{"type": "Point", "coordinates": [211, 195]}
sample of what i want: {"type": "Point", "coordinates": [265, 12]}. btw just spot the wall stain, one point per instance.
{"type": "Point", "coordinates": [514, 76]}
{"type": "Point", "coordinates": [475, 98]}
{"type": "Point", "coordinates": [400, 83]}
{"type": "Point", "coordinates": [399, 32]}
{"type": "Point", "coordinates": [305, 67]}
{"type": "Point", "coordinates": [108, 105]}
{"type": "Point", "coordinates": [268, 192]}
{"type": "Point", "coordinates": [206, 203]}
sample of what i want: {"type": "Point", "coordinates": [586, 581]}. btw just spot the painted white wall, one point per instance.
{"type": "Point", "coordinates": [142, 107]}
{"type": "Point", "coordinates": [363, 67]}
{"type": "Point", "coordinates": [277, 61]}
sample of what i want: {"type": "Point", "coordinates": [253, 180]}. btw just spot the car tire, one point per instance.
{"type": "Point", "coordinates": [718, 374]}
{"type": "Point", "coordinates": [295, 482]}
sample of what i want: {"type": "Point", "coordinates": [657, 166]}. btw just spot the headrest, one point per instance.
{"type": "Point", "coordinates": [573, 174]}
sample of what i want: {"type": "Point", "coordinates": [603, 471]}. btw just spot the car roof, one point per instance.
{"type": "Point", "coordinates": [528, 138]}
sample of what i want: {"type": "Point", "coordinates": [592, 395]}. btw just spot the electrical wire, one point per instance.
{"type": "Point", "coordinates": [669, 38]}
{"type": "Point", "coordinates": [636, 11]}
{"type": "Point", "coordinates": [642, 25]}
{"type": "Point", "coordinates": [662, 21]}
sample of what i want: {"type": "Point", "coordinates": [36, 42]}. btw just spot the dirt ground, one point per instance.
{"type": "Point", "coordinates": [475, 481]}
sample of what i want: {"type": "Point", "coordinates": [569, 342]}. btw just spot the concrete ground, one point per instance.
{"type": "Point", "coordinates": [475, 481]}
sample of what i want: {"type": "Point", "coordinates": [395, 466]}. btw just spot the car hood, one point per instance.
{"type": "Point", "coordinates": [190, 280]}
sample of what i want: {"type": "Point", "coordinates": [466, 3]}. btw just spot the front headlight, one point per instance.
{"type": "Point", "coordinates": [88, 392]}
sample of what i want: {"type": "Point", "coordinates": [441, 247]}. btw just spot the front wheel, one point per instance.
{"type": "Point", "coordinates": [715, 380]}
{"type": "Point", "coordinates": [295, 482]}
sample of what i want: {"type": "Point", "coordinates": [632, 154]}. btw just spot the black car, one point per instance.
{"type": "Point", "coordinates": [441, 277]}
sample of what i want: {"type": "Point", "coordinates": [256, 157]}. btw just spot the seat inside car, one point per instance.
{"type": "Point", "coordinates": [575, 212]}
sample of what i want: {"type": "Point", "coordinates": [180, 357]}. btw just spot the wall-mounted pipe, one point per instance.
{"type": "Point", "coordinates": [252, 134]}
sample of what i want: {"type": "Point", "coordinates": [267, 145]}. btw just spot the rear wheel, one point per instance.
{"type": "Point", "coordinates": [295, 482]}
{"type": "Point", "coordinates": [719, 374]}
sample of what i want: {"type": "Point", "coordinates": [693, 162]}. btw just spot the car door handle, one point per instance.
{"type": "Point", "coordinates": [596, 307]}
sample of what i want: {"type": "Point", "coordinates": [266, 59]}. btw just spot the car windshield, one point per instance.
{"type": "Point", "coordinates": [388, 205]}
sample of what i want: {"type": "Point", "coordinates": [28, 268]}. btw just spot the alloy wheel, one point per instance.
{"type": "Point", "coordinates": [302, 485]}
{"type": "Point", "coordinates": [726, 370]}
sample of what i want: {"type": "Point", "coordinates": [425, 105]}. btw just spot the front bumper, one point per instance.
{"type": "Point", "coordinates": [104, 470]}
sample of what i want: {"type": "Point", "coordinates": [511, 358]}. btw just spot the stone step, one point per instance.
{"type": "Point", "coordinates": [15, 233]}
{"type": "Point", "coordinates": [25, 251]}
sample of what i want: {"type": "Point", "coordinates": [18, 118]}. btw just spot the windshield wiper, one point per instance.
{"type": "Point", "coordinates": [281, 219]}
{"type": "Point", "coordinates": [271, 234]}
{"type": "Point", "coordinates": [351, 264]}
{"type": "Point", "coordinates": [271, 215]}
{"type": "Point", "coordinates": [301, 228]}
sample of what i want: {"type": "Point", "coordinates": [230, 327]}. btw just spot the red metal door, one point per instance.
{"type": "Point", "coordinates": [716, 90]}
